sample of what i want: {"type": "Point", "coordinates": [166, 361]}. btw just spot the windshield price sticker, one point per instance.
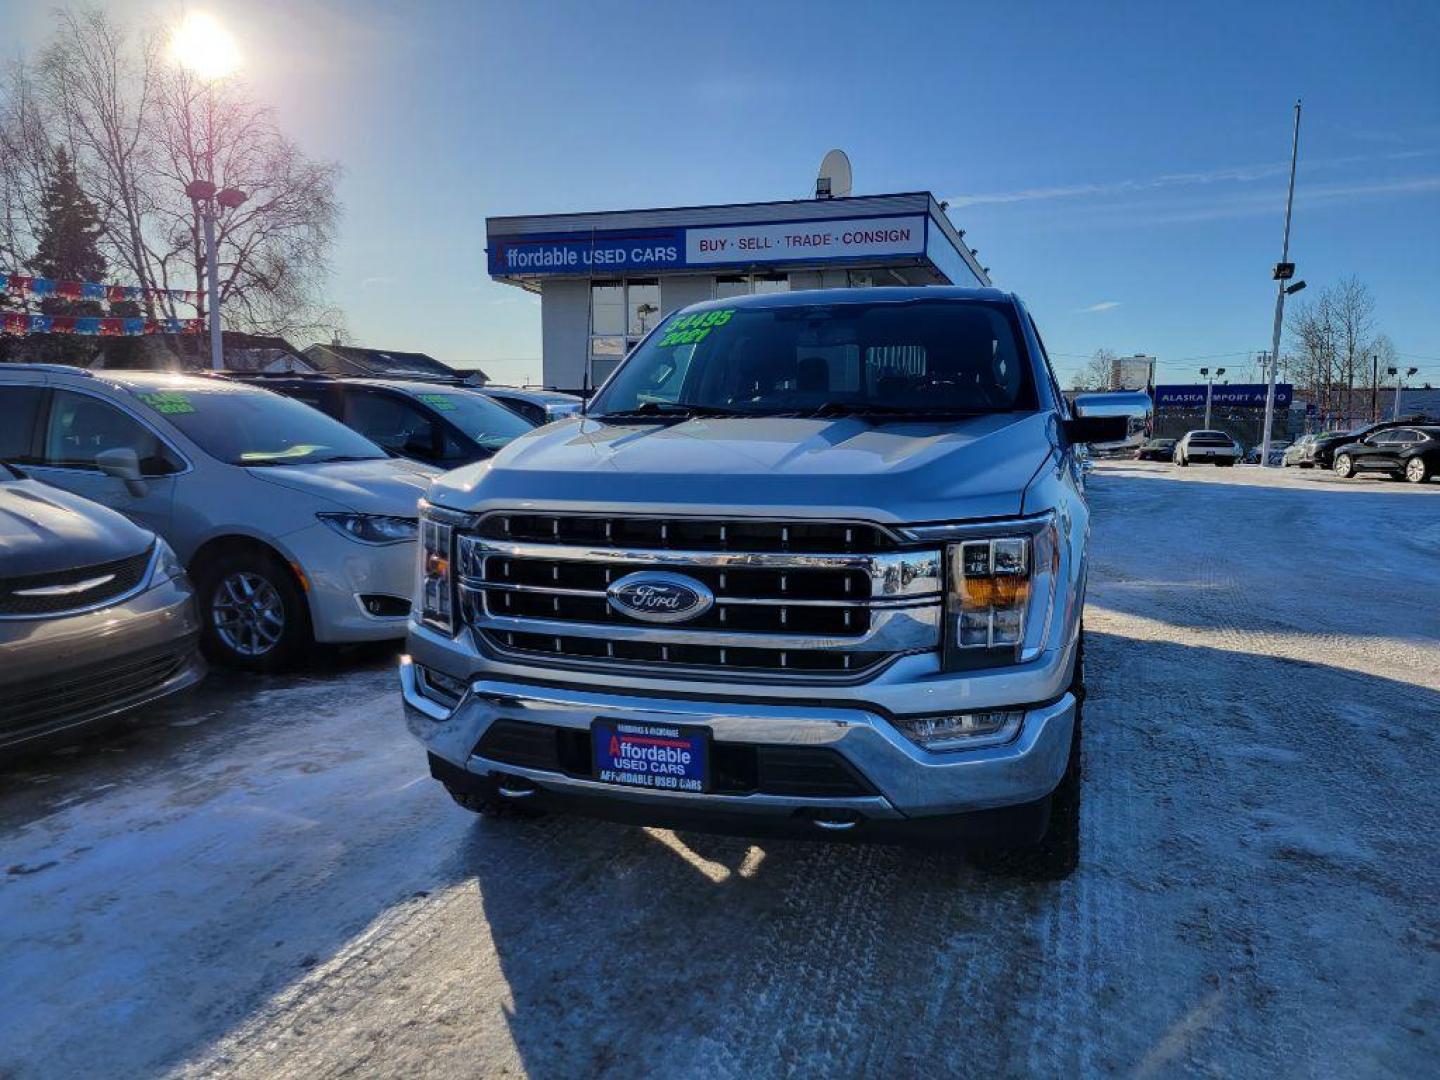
{"type": "Point", "coordinates": [689, 329]}
{"type": "Point", "coordinates": [660, 756]}
{"type": "Point", "coordinates": [168, 402]}
{"type": "Point", "coordinates": [440, 401]}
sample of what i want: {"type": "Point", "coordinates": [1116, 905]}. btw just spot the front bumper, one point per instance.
{"type": "Point", "coordinates": [338, 572]}
{"type": "Point", "coordinates": [908, 782]}
{"type": "Point", "coordinates": [68, 671]}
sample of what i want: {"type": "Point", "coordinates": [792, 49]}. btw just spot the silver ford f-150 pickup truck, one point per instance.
{"type": "Point", "coordinates": [809, 562]}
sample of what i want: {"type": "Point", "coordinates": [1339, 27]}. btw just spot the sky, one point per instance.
{"type": "Point", "coordinates": [1120, 166]}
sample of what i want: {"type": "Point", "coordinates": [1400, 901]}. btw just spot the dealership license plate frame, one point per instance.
{"type": "Point", "coordinates": [689, 736]}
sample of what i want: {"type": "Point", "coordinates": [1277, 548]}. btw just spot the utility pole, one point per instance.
{"type": "Point", "coordinates": [1284, 271]}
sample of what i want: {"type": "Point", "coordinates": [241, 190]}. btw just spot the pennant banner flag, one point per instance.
{"type": "Point", "coordinates": [26, 285]}
{"type": "Point", "coordinates": [21, 323]}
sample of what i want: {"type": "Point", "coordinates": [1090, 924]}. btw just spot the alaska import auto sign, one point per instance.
{"type": "Point", "coordinates": [603, 252]}
{"type": "Point", "coordinates": [1233, 396]}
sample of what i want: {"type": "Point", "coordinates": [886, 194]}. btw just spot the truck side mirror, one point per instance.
{"type": "Point", "coordinates": [123, 464]}
{"type": "Point", "coordinates": [1097, 429]}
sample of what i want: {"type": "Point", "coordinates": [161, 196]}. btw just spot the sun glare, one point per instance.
{"type": "Point", "coordinates": [205, 47]}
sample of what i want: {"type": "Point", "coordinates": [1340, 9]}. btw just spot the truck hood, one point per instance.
{"type": "Point", "coordinates": [846, 467]}
{"type": "Point", "coordinates": [44, 530]}
{"type": "Point", "coordinates": [383, 486]}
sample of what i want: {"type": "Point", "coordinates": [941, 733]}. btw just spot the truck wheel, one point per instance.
{"type": "Point", "coordinates": [1055, 820]}
{"type": "Point", "coordinates": [253, 614]}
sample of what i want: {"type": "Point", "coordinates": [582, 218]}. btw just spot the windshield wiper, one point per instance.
{"type": "Point", "coordinates": [669, 410]}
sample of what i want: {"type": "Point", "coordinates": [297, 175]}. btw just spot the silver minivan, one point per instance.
{"type": "Point", "coordinates": [293, 527]}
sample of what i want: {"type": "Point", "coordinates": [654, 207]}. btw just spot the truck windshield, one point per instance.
{"type": "Point", "coordinates": [922, 356]}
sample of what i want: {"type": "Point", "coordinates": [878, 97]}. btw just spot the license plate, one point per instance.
{"type": "Point", "coordinates": [664, 757]}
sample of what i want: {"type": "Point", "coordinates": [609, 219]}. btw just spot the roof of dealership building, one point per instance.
{"type": "Point", "coordinates": [516, 243]}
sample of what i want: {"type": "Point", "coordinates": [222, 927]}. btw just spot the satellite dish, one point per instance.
{"type": "Point", "coordinates": [834, 179]}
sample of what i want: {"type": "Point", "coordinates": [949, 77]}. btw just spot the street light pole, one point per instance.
{"type": "Point", "coordinates": [1399, 382]}
{"type": "Point", "coordinates": [1210, 389]}
{"type": "Point", "coordinates": [1283, 272]}
{"type": "Point", "coordinates": [212, 280]}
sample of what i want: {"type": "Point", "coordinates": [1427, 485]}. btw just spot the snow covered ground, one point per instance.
{"type": "Point", "coordinates": [261, 881]}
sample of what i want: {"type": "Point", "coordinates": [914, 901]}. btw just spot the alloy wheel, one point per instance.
{"type": "Point", "coordinates": [1342, 466]}
{"type": "Point", "coordinates": [1415, 471]}
{"type": "Point", "coordinates": [248, 613]}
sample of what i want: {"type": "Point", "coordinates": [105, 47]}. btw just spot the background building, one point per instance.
{"type": "Point", "coordinates": [1131, 372]}
{"type": "Point", "coordinates": [605, 279]}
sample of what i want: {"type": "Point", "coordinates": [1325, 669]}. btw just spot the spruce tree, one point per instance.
{"type": "Point", "coordinates": [67, 247]}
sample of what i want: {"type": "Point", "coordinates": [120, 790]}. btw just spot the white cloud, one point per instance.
{"type": "Point", "coordinates": [1103, 305]}
{"type": "Point", "coordinates": [1233, 174]}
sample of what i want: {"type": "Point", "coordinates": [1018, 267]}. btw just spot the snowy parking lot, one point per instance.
{"type": "Point", "coordinates": [259, 878]}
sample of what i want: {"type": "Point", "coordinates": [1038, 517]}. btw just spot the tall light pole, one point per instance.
{"type": "Point", "coordinates": [1399, 382]}
{"type": "Point", "coordinates": [1284, 271]}
{"type": "Point", "coordinates": [201, 45]}
{"type": "Point", "coordinates": [1210, 389]}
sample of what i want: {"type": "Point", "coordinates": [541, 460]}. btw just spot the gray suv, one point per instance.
{"type": "Point", "coordinates": [96, 614]}
{"type": "Point", "coordinates": [811, 562]}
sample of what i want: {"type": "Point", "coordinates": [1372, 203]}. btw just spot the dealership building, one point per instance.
{"type": "Point", "coordinates": [605, 279]}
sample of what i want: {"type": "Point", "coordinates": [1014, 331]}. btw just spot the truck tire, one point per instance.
{"type": "Point", "coordinates": [1051, 850]}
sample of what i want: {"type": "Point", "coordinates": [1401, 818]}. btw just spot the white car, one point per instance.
{"type": "Point", "coordinates": [294, 528]}
{"type": "Point", "coordinates": [1199, 447]}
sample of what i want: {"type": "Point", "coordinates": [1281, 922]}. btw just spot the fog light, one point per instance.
{"type": "Point", "coordinates": [961, 731]}
{"type": "Point", "coordinates": [437, 686]}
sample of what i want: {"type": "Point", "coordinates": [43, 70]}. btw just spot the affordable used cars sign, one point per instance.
{"type": "Point", "coordinates": [582, 254]}
{"type": "Point", "coordinates": [602, 252]}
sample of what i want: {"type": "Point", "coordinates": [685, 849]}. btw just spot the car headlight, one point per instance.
{"type": "Point", "coordinates": [436, 584]}
{"type": "Point", "coordinates": [999, 591]}
{"type": "Point", "coordinates": [167, 564]}
{"type": "Point", "coordinates": [372, 528]}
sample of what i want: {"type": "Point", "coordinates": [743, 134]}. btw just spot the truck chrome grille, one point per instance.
{"type": "Point", "coordinates": [536, 585]}
{"type": "Point", "coordinates": [689, 534]}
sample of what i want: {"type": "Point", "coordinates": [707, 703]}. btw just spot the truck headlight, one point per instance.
{"type": "Point", "coordinates": [436, 585]}
{"type": "Point", "coordinates": [371, 528]}
{"type": "Point", "coordinates": [999, 591]}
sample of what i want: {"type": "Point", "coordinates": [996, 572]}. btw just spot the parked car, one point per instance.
{"type": "Point", "coordinates": [97, 616]}
{"type": "Point", "coordinates": [1277, 452]}
{"type": "Point", "coordinates": [539, 406]}
{"type": "Point", "coordinates": [1156, 450]}
{"type": "Point", "coordinates": [1319, 452]}
{"type": "Point", "coordinates": [293, 527]}
{"type": "Point", "coordinates": [435, 423]}
{"type": "Point", "coordinates": [1200, 447]}
{"type": "Point", "coordinates": [811, 562]}
{"type": "Point", "coordinates": [1411, 452]}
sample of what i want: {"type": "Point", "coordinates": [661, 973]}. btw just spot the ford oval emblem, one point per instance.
{"type": "Point", "coordinates": [654, 596]}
